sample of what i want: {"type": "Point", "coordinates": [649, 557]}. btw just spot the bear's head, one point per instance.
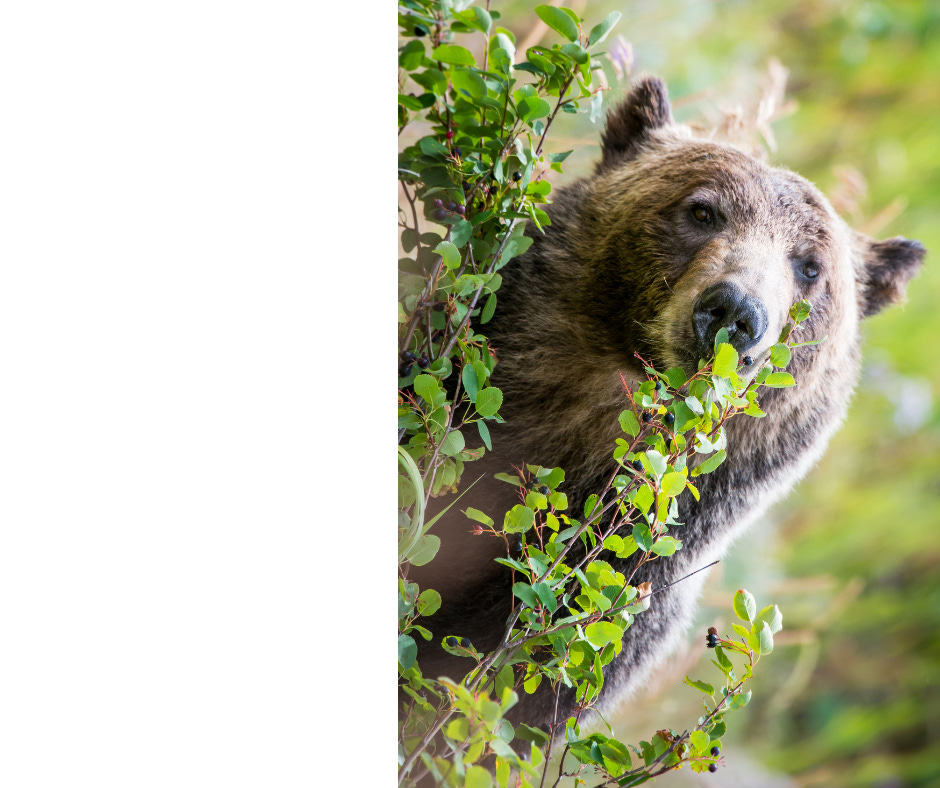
{"type": "Point", "coordinates": [692, 235]}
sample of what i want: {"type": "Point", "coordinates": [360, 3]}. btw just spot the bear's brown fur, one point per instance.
{"type": "Point", "coordinates": [624, 268]}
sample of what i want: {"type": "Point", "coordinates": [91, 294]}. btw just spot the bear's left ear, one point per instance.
{"type": "Point", "coordinates": [646, 108]}
{"type": "Point", "coordinates": [888, 267]}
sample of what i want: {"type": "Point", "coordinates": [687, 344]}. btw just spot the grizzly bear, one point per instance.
{"type": "Point", "coordinates": [670, 239]}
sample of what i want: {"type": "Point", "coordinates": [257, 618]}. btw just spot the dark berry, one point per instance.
{"type": "Point", "coordinates": [517, 176]}
{"type": "Point", "coordinates": [515, 544]}
{"type": "Point", "coordinates": [546, 726]}
{"type": "Point", "coordinates": [647, 416]}
{"type": "Point", "coordinates": [407, 355]}
{"type": "Point", "coordinates": [713, 767]}
{"type": "Point", "coordinates": [439, 203]}
{"type": "Point", "coordinates": [439, 214]}
{"type": "Point", "coordinates": [457, 151]}
{"type": "Point", "coordinates": [453, 642]}
{"type": "Point", "coordinates": [637, 465]}
{"type": "Point", "coordinates": [715, 752]}
{"type": "Point", "coordinates": [451, 206]}
{"type": "Point", "coordinates": [670, 418]}
{"type": "Point", "coordinates": [747, 360]}
{"type": "Point", "coordinates": [423, 362]}
{"type": "Point", "coordinates": [543, 489]}
{"type": "Point", "coordinates": [465, 184]}
{"type": "Point", "coordinates": [461, 209]}
{"type": "Point", "coordinates": [404, 370]}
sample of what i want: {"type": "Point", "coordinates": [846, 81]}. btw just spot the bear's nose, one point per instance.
{"type": "Point", "coordinates": [725, 305]}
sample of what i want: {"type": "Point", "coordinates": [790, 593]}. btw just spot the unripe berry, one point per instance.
{"type": "Point", "coordinates": [450, 135]}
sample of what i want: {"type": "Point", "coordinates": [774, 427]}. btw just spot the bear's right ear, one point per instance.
{"type": "Point", "coordinates": [889, 266]}
{"type": "Point", "coordinates": [646, 108]}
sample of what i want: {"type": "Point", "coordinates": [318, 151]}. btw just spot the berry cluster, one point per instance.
{"type": "Point", "coordinates": [712, 639]}
{"type": "Point", "coordinates": [443, 210]}
{"type": "Point", "coordinates": [407, 359]}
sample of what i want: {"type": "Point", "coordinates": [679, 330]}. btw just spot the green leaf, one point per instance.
{"type": "Point", "coordinates": [407, 651]}
{"type": "Point", "coordinates": [780, 355]}
{"type": "Point", "coordinates": [676, 377]}
{"type": "Point", "coordinates": [453, 444]}
{"type": "Point", "coordinates": [480, 517]}
{"type": "Point", "coordinates": [489, 308]}
{"type": "Point", "coordinates": [484, 434]}
{"type": "Point", "coordinates": [468, 377]}
{"type": "Point", "coordinates": [744, 605]}
{"type": "Point", "coordinates": [519, 519]}
{"type": "Point", "coordinates": [470, 81]}
{"type": "Point", "coordinates": [666, 545]}
{"type": "Point", "coordinates": [448, 253]}
{"type": "Point", "coordinates": [800, 311]}
{"type": "Point", "coordinates": [643, 536]}
{"type": "Point", "coordinates": [600, 633]}
{"type": "Point", "coordinates": [700, 740]}
{"type": "Point", "coordinates": [488, 401]}
{"type": "Point", "coordinates": [460, 232]}
{"type": "Point", "coordinates": [643, 499]}
{"type": "Point", "coordinates": [711, 463]}
{"type": "Point", "coordinates": [545, 595]}
{"type": "Point", "coordinates": [702, 686]}
{"type": "Point", "coordinates": [726, 361]}
{"type": "Point", "coordinates": [779, 380]}
{"type": "Point", "coordinates": [673, 484]}
{"type": "Point", "coordinates": [525, 592]}
{"type": "Point", "coordinates": [772, 615]}
{"type": "Point", "coordinates": [451, 53]}
{"type": "Point", "coordinates": [740, 700]}
{"type": "Point", "coordinates": [654, 462]}
{"type": "Point", "coordinates": [810, 342]}
{"type": "Point", "coordinates": [478, 777]}
{"type": "Point", "coordinates": [477, 18]}
{"type": "Point", "coordinates": [429, 602]}
{"type": "Point", "coordinates": [558, 21]}
{"type": "Point", "coordinates": [761, 641]}
{"type": "Point", "coordinates": [411, 55]}
{"type": "Point", "coordinates": [426, 549]}
{"type": "Point", "coordinates": [695, 405]}
{"type": "Point", "coordinates": [427, 387]}
{"type": "Point", "coordinates": [629, 424]}
{"type": "Point", "coordinates": [599, 32]}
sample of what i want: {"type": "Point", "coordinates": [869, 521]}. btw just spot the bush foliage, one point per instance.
{"type": "Point", "coordinates": [468, 186]}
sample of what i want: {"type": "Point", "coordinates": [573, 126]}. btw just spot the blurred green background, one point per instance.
{"type": "Point", "coordinates": [850, 696]}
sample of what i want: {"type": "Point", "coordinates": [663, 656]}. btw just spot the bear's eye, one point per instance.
{"type": "Point", "coordinates": [808, 269]}
{"type": "Point", "coordinates": [702, 214]}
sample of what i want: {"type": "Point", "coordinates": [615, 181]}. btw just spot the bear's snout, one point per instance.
{"type": "Point", "coordinates": [725, 305]}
